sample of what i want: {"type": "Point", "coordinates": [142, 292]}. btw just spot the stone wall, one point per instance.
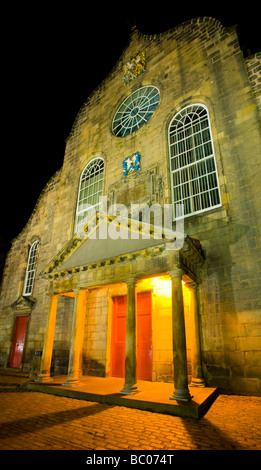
{"type": "Point", "coordinates": [198, 62]}
{"type": "Point", "coordinates": [253, 64]}
{"type": "Point", "coordinates": [95, 339]}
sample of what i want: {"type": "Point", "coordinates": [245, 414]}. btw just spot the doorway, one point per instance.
{"type": "Point", "coordinates": [144, 336]}
{"type": "Point", "coordinates": [18, 342]}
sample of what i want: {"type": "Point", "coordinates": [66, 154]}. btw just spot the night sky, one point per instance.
{"type": "Point", "coordinates": [51, 61]}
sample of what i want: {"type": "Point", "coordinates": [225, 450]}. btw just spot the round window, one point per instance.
{"type": "Point", "coordinates": [135, 111]}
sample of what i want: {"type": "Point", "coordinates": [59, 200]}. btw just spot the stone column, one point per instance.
{"type": "Point", "coordinates": [77, 335]}
{"type": "Point", "coordinates": [181, 391]}
{"type": "Point", "coordinates": [44, 375]}
{"type": "Point", "coordinates": [197, 374]}
{"type": "Point", "coordinates": [130, 386]}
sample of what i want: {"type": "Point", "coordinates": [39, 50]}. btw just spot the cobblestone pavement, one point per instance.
{"type": "Point", "coordinates": [37, 421]}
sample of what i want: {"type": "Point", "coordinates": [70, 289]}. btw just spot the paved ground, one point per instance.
{"type": "Point", "coordinates": [37, 421]}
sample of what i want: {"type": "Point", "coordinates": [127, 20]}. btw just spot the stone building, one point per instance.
{"type": "Point", "coordinates": [142, 257]}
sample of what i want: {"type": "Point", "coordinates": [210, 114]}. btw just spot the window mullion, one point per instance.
{"type": "Point", "coordinates": [190, 146]}
{"type": "Point", "coordinates": [92, 190]}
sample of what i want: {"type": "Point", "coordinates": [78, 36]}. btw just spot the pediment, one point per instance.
{"type": "Point", "coordinates": [23, 303]}
{"type": "Point", "coordinates": [109, 239]}
{"type": "Point", "coordinates": [105, 237]}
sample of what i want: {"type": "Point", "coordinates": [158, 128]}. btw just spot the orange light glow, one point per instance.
{"type": "Point", "coordinates": [162, 326]}
{"type": "Point", "coordinates": [161, 285]}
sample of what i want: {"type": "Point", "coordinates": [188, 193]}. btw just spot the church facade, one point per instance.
{"type": "Point", "coordinates": [142, 257]}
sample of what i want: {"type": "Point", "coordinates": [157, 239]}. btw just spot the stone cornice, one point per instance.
{"type": "Point", "coordinates": [157, 258]}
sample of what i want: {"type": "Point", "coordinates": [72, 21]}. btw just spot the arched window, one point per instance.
{"type": "Point", "coordinates": [194, 179]}
{"type": "Point", "coordinates": [90, 191]}
{"type": "Point", "coordinates": [30, 270]}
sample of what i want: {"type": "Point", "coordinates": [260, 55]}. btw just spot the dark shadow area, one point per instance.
{"type": "Point", "coordinates": [35, 423]}
{"type": "Point", "coordinates": [10, 386]}
{"type": "Point", "coordinates": [206, 436]}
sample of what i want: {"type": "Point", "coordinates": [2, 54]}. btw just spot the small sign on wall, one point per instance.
{"type": "Point", "coordinates": [131, 165]}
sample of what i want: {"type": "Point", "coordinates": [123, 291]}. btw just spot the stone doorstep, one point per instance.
{"type": "Point", "coordinates": [152, 396]}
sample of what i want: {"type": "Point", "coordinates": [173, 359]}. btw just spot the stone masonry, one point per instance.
{"type": "Point", "coordinates": [199, 61]}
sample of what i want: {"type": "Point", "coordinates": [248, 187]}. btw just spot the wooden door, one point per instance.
{"type": "Point", "coordinates": [118, 336]}
{"type": "Point", "coordinates": [144, 336]}
{"type": "Point", "coordinates": [18, 342]}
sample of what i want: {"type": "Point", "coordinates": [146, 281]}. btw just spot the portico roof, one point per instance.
{"type": "Point", "coordinates": [108, 239]}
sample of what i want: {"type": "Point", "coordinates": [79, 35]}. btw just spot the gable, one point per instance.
{"type": "Point", "coordinates": [105, 237]}
{"type": "Point", "coordinates": [95, 250]}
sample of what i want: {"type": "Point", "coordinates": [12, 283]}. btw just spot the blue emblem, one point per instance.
{"type": "Point", "coordinates": [131, 164]}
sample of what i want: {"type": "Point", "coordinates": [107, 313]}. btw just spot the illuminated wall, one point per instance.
{"type": "Point", "coordinates": [97, 341]}
{"type": "Point", "coordinates": [199, 62]}
{"type": "Point", "coordinates": [162, 350]}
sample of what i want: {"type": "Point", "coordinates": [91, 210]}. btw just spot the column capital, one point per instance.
{"type": "Point", "coordinates": [176, 272]}
{"type": "Point", "coordinates": [131, 281]}
{"type": "Point", "coordinates": [76, 291]}
{"type": "Point", "coordinates": [192, 285]}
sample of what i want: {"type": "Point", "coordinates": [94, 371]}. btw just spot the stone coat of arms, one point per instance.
{"type": "Point", "coordinates": [134, 67]}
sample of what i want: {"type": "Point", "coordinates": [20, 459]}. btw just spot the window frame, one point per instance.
{"type": "Point", "coordinates": [140, 98]}
{"type": "Point", "coordinates": [30, 269]}
{"type": "Point", "coordinates": [78, 225]}
{"type": "Point", "coordinates": [193, 185]}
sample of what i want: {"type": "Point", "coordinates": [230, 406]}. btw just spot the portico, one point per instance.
{"type": "Point", "coordinates": [81, 268]}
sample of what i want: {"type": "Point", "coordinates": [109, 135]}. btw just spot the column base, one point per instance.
{"type": "Point", "coordinates": [43, 378]}
{"type": "Point", "coordinates": [198, 383]}
{"type": "Point", "coordinates": [129, 390]}
{"type": "Point", "coordinates": [181, 395]}
{"type": "Point", "coordinates": [71, 383]}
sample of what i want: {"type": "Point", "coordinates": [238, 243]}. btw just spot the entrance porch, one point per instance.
{"type": "Point", "coordinates": [130, 269]}
{"type": "Point", "coordinates": [153, 396]}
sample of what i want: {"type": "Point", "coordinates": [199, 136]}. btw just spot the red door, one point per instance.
{"type": "Point", "coordinates": [18, 343]}
{"type": "Point", "coordinates": [118, 336]}
{"type": "Point", "coordinates": [144, 336]}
